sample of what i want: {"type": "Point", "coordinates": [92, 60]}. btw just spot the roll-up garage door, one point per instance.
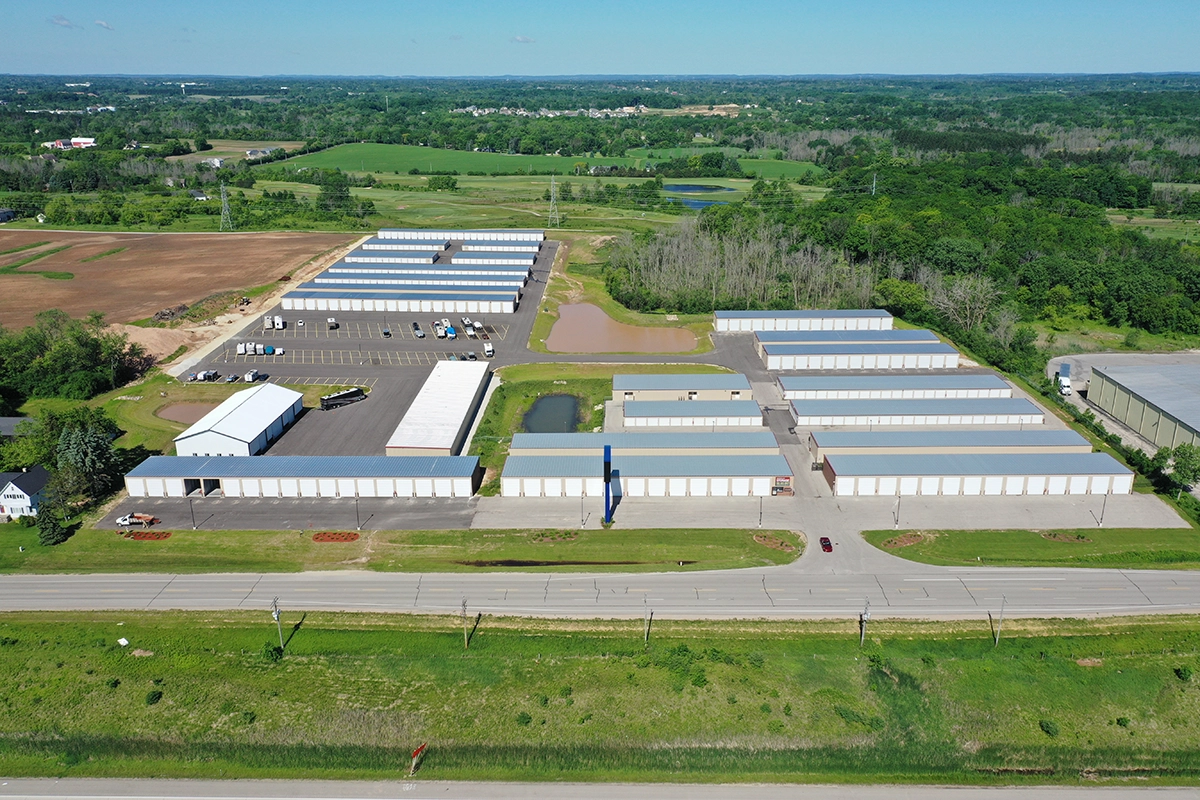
{"type": "Point", "coordinates": [573, 487]}
{"type": "Point", "coordinates": [308, 487]}
{"type": "Point", "coordinates": [443, 487]}
{"type": "Point", "coordinates": [656, 487]}
{"type": "Point", "coordinates": [930, 484]}
{"type": "Point", "coordinates": [231, 487]}
{"type": "Point", "coordinates": [251, 488]}
{"type": "Point", "coordinates": [136, 487]}
{"type": "Point", "coordinates": [345, 487]}
{"type": "Point", "coordinates": [844, 487]}
{"type": "Point", "coordinates": [1014, 484]}
{"type": "Point", "coordinates": [1079, 484]}
{"type": "Point", "coordinates": [761, 487]}
{"type": "Point", "coordinates": [1100, 484]}
{"type": "Point", "coordinates": [365, 487]}
{"type": "Point", "coordinates": [463, 487]}
{"type": "Point", "coordinates": [908, 485]}
{"type": "Point", "coordinates": [595, 487]}
{"type": "Point", "coordinates": [552, 487]}
{"type": "Point", "coordinates": [423, 487]}
{"type": "Point", "coordinates": [155, 487]}
{"type": "Point", "coordinates": [972, 485]}
{"type": "Point", "coordinates": [510, 487]}
{"type": "Point", "coordinates": [887, 486]}
{"type": "Point", "coordinates": [289, 487]}
{"type": "Point", "coordinates": [1036, 484]}
{"type": "Point", "coordinates": [1057, 485]}
{"type": "Point", "coordinates": [718, 487]}
{"type": "Point", "coordinates": [385, 487]}
{"type": "Point", "coordinates": [951, 485]}
{"type": "Point", "coordinates": [698, 487]}
{"type": "Point", "coordinates": [636, 487]}
{"type": "Point", "coordinates": [741, 487]}
{"type": "Point", "coordinates": [1122, 484]}
{"type": "Point", "coordinates": [993, 484]}
{"type": "Point", "coordinates": [327, 487]}
{"type": "Point", "coordinates": [533, 487]}
{"type": "Point", "coordinates": [404, 487]}
{"type": "Point", "coordinates": [865, 487]}
{"type": "Point", "coordinates": [677, 487]}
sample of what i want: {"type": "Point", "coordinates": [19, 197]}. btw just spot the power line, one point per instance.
{"type": "Point", "coordinates": [554, 220]}
{"type": "Point", "coordinates": [226, 220]}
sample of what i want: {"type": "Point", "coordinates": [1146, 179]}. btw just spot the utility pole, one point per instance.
{"type": "Point", "coordinates": [275, 616]}
{"type": "Point", "coordinates": [193, 512]}
{"type": "Point", "coordinates": [553, 219]}
{"type": "Point", "coordinates": [649, 618]}
{"type": "Point", "coordinates": [226, 220]}
{"type": "Point", "coordinates": [1003, 600]}
{"type": "Point", "coordinates": [863, 618]}
{"type": "Point", "coordinates": [466, 638]}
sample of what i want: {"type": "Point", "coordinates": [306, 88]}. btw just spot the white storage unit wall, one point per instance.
{"type": "Point", "coordinates": [459, 235]}
{"type": "Point", "coordinates": [973, 474]}
{"type": "Point", "coordinates": [324, 477]}
{"type": "Point", "coordinates": [397, 302]}
{"type": "Point", "coordinates": [893, 387]}
{"type": "Point", "coordinates": [986, 411]}
{"type": "Point", "coordinates": [501, 247]}
{"type": "Point", "coordinates": [644, 476]}
{"type": "Point", "coordinates": [895, 442]}
{"type": "Point", "coordinates": [864, 356]}
{"type": "Point", "coordinates": [426, 283]}
{"type": "Point", "coordinates": [389, 257]}
{"type": "Point", "coordinates": [646, 443]}
{"type": "Point", "coordinates": [693, 414]}
{"type": "Point", "coordinates": [423, 245]}
{"type": "Point", "coordinates": [499, 259]}
{"type": "Point", "coordinates": [826, 320]}
{"type": "Point", "coordinates": [483, 271]}
{"type": "Point", "coordinates": [721, 386]}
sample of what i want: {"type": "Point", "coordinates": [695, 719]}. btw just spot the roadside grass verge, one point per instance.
{"type": "Point", "coordinates": [523, 384]}
{"type": "Point", "coordinates": [1056, 703]}
{"type": "Point", "coordinates": [99, 256]}
{"type": "Point", "coordinates": [1113, 548]}
{"type": "Point", "coordinates": [187, 551]}
{"type": "Point", "coordinates": [11, 269]}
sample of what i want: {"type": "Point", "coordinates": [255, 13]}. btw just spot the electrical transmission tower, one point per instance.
{"type": "Point", "coordinates": [226, 222]}
{"type": "Point", "coordinates": [554, 220]}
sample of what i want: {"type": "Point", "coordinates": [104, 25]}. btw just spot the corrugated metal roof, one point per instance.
{"type": "Point", "coordinates": [451, 233]}
{"type": "Point", "coordinates": [926, 406]}
{"type": "Point", "coordinates": [977, 464]}
{"type": "Point", "coordinates": [1173, 388]}
{"type": "Point", "coordinates": [646, 466]}
{"type": "Point", "coordinates": [803, 314]}
{"type": "Point", "coordinates": [326, 279]}
{"type": "Point", "coordinates": [634, 383]}
{"type": "Point", "coordinates": [305, 467]}
{"type": "Point", "coordinates": [851, 348]}
{"type": "Point", "coordinates": [966, 438]}
{"type": "Point", "coordinates": [478, 288]}
{"type": "Point", "coordinates": [8, 425]}
{"type": "Point", "coordinates": [699, 440]}
{"type": "Point", "coordinates": [384, 294]}
{"type": "Point", "coordinates": [692, 408]}
{"type": "Point", "coordinates": [440, 267]}
{"type": "Point", "coordinates": [394, 254]}
{"type": "Point", "coordinates": [957, 380]}
{"type": "Point", "coordinates": [436, 416]}
{"type": "Point", "coordinates": [467, 257]}
{"type": "Point", "coordinates": [819, 337]}
{"type": "Point", "coordinates": [385, 243]}
{"type": "Point", "coordinates": [246, 414]}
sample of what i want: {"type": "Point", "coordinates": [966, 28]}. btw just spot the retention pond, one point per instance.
{"type": "Point", "coordinates": [554, 413]}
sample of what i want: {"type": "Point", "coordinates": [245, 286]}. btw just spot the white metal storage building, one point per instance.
{"type": "Point", "coordinates": [666, 443]}
{"type": "Point", "coordinates": [693, 413]}
{"type": "Point", "coordinates": [376, 300]}
{"type": "Point", "coordinates": [425, 245]}
{"type": "Point", "coordinates": [500, 259]}
{"type": "Point", "coordinates": [304, 476]}
{"type": "Point", "coordinates": [952, 411]}
{"type": "Point", "coordinates": [501, 247]}
{"type": "Point", "coordinates": [441, 413]}
{"type": "Point", "coordinates": [468, 283]}
{"type": "Point", "coordinates": [458, 235]}
{"type": "Point", "coordinates": [1160, 402]}
{"type": "Point", "coordinates": [884, 387]}
{"type": "Point", "coordinates": [825, 320]}
{"type": "Point", "coordinates": [724, 386]}
{"type": "Point", "coordinates": [485, 271]}
{"type": "Point", "coordinates": [889, 336]}
{"type": "Point", "coordinates": [244, 424]}
{"type": "Point", "coordinates": [991, 474]}
{"type": "Point", "coordinates": [831, 443]}
{"type": "Point", "coordinates": [860, 356]}
{"type": "Point", "coordinates": [645, 476]}
{"type": "Point", "coordinates": [389, 257]}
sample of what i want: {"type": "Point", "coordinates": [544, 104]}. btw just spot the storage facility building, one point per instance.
{"type": "Point", "coordinates": [244, 424]}
{"type": "Point", "coordinates": [305, 476]}
{"type": "Point", "coordinates": [425, 245]}
{"type": "Point", "coordinates": [953, 411]}
{"type": "Point", "coordinates": [692, 413]}
{"type": "Point", "coordinates": [441, 414]}
{"type": "Point", "coordinates": [500, 259]}
{"type": "Point", "coordinates": [823, 320]}
{"type": "Point", "coordinates": [884, 387]}
{"type": "Point", "coordinates": [458, 235]}
{"type": "Point", "coordinates": [466, 283]}
{"type": "Point", "coordinates": [890, 336]}
{"type": "Point", "coordinates": [654, 443]}
{"type": "Point", "coordinates": [1160, 402]}
{"type": "Point", "coordinates": [487, 271]}
{"type": "Point", "coordinates": [382, 300]}
{"type": "Point", "coordinates": [645, 476]}
{"type": "Point", "coordinates": [501, 247]}
{"type": "Point", "coordinates": [974, 474]}
{"type": "Point", "coordinates": [724, 386]}
{"type": "Point", "coordinates": [389, 257]}
{"type": "Point", "coordinates": [862, 443]}
{"type": "Point", "coordinates": [860, 356]}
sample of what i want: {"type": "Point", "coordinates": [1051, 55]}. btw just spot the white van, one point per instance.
{"type": "Point", "coordinates": [488, 350]}
{"type": "Point", "coordinates": [251, 376]}
{"type": "Point", "coordinates": [241, 348]}
{"type": "Point", "coordinates": [279, 323]}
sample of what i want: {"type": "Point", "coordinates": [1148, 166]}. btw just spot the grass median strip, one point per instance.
{"type": "Point", "coordinates": [1115, 548]}
{"type": "Point", "coordinates": [11, 269]}
{"type": "Point", "coordinates": [206, 695]}
{"type": "Point", "coordinates": [614, 550]}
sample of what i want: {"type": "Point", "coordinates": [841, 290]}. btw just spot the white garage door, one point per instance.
{"type": "Point", "coordinates": [718, 487]}
{"type": "Point", "coordinates": [155, 487]}
{"type": "Point", "coordinates": [1014, 484]}
{"type": "Point", "coordinates": [573, 487]}
{"type": "Point", "coordinates": [308, 487]}
{"type": "Point", "coordinates": [636, 487]}
{"type": "Point", "coordinates": [698, 487]}
{"type": "Point", "coordinates": [993, 484]}
{"type": "Point", "coordinates": [404, 487]}
{"type": "Point", "coordinates": [908, 485]}
{"type": "Point", "coordinates": [930, 484]}
{"type": "Point", "coordinates": [533, 487]}
{"type": "Point", "coordinates": [866, 487]}
{"type": "Point", "coordinates": [423, 487]}
{"type": "Point", "coordinates": [365, 487]}
{"type": "Point", "coordinates": [345, 487]}
{"type": "Point", "coordinates": [887, 486]}
{"type": "Point", "coordinates": [1122, 484]}
{"type": "Point", "coordinates": [1057, 485]}
{"type": "Point", "coordinates": [251, 488]}
{"type": "Point", "coordinates": [443, 487]}
{"type": "Point", "coordinates": [510, 487]}
{"type": "Point", "coordinates": [1079, 484]}
{"type": "Point", "coordinates": [327, 487]}
{"type": "Point", "coordinates": [1036, 485]}
{"type": "Point", "coordinates": [844, 487]}
{"type": "Point", "coordinates": [741, 487]}
{"type": "Point", "coordinates": [656, 487]}
{"type": "Point", "coordinates": [136, 487]}
{"type": "Point", "coordinates": [677, 487]}
{"type": "Point", "coordinates": [972, 485]}
{"type": "Point", "coordinates": [552, 487]}
{"type": "Point", "coordinates": [761, 487]}
{"type": "Point", "coordinates": [289, 487]}
{"type": "Point", "coordinates": [231, 487]}
{"type": "Point", "coordinates": [1100, 484]}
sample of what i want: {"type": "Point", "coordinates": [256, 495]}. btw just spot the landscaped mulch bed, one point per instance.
{"type": "Point", "coordinates": [148, 536]}
{"type": "Point", "coordinates": [1069, 538]}
{"type": "Point", "coordinates": [904, 540]}
{"type": "Point", "coordinates": [774, 542]}
{"type": "Point", "coordinates": [335, 536]}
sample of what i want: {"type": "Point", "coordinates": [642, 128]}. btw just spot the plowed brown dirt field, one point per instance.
{"type": "Point", "coordinates": [155, 271]}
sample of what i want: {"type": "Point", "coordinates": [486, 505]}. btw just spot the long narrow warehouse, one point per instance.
{"type": "Point", "coordinates": [886, 387]}
{"type": "Point", "coordinates": [859, 356]}
{"type": "Point", "coordinates": [693, 413]}
{"type": "Point", "coordinates": [828, 320]}
{"type": "Point", "coordinates": [825, 443]}
{"type": "Point", "coordinates": [654, 443]}
{"type": "Point", "coordinates": [646, 476]}
{"type": "Point", "coordinates": [953, 411]}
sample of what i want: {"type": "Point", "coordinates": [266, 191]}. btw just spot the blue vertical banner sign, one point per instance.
{"type": "Point", "coordinates": [608, 484]}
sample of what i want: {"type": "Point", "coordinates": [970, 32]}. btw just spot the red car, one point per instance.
{"type": "Point", "coordinates": [826, 545]}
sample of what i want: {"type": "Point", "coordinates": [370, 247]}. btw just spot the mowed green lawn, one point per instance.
{"type": "Point", "coordinates": [188, 551]}
{"type": "Point", "coordinates": [1123, 548]}
{"type": "Point", "coordinates": [194, 696]}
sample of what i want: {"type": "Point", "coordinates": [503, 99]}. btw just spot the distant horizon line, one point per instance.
{"type": "Point", "coordinates": [611, 76]}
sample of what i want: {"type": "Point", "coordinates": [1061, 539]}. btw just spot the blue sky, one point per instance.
{"type": "Point", "coordinates": [539, 37]}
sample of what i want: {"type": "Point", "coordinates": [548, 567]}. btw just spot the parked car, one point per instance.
{"type": "Point", "coordinates": [471, 356]}
{"type": "Point", "coordinates": [299, 323]}
{"type": "Point", "coordinates": [231, 378]}
{"type": "Point", "coordinates": [191, 377]}
{"type": "Point", "coordinates": [466, 322]}
{"type": "Point", "coordinates": [251, 376]}
{"type": "Point", "coordinates": [417, 332]}
{"type": "Point", "coordinates": [488, 350]}
{"type": "Point", "coordinates": [450, 332]}
{"type": "Point", "coordinates": [387, 333]}
{"type": "Point", "coordinates": [826, 545]}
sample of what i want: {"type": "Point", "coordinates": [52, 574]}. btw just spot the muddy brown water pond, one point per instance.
{"type": "Point", "coordinates": [511, 562]}
{"type": "Point", "coordinates": [585, 328]}
{"type": "Point", "coordinates": [187, 413]}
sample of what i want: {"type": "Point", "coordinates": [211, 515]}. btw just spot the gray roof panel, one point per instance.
{"type": "Point", "coordinates": [850, 348]}
{"type": "Point", "coordinates": [642, 383]}
{"type": "Point", "coordinates": [967, 438]}
{"type": "Point", "coordinates": [818, 337]}
{"type": "Point", "coordinates": [924, 406]}
{"type": "Point", "coordinates": [305, 467]}
{"type": "Point", "coordinates": [977, 464]}
{"type": "Point", "coordinates": [692, 408]}
{"type": "Point", "coordinates": [1173, 388]}
{"type": "Point", "coordinates": [803, 314]}
{"type": "Point", "coordinates": [380, 293]}
{"type": "Point", "coordinates": [629, 440]}
{"type": "Point", "coordinates": [957, 380]}
{"type": "Point", "coordinates": [646, 466]}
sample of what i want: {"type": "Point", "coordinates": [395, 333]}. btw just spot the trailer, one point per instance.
{"type": "Point", "coordinates": [343, 398]}
{"type": "Point", "coordinates": [279, 323]}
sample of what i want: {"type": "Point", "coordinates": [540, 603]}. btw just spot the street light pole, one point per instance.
{"type": "Point", "coordinates": [192, 511]}
{"type": "Point", "coordinates": [275, 616]}
{"type": "Point", "coordinates": [863, 618]}
{"type": "Point", "coordinates": [357, 519]}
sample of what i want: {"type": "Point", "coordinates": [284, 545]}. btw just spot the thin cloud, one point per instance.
{"type": "Point", "coordinates": [522, 40]}
{"type": "Point", "coordinates": [61, 21]}
{"type": "Point", "coordinates": [103, 24]}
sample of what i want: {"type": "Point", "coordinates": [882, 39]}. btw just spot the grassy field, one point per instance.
{"type": "Point", "coordinates": [1144, 220]}
{"type": "Point", "coordinates": [188, 551]}
{"type": "Point", "coordinates": [194, 696]}
{"type": "Point", "coordinates": [523, 384]}
{"type": "Point", "coordinates": [1114, 548]}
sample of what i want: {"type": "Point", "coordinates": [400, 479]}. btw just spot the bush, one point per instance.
{"type": "Point", "coordinates": [114, 683]}
{"type": "Point", "coordinates": [524, 719]}
{"type": "Point", "coordinates": [1123, 722]}
{"type": "Point", "coordinates": [272, 652]}
{"type": "Point", "coordinates": [1183, 673]}
{"type": "Point", "coordinates": [1049, 727]}
{"type": "Point", "coordinates": [153, 697]}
